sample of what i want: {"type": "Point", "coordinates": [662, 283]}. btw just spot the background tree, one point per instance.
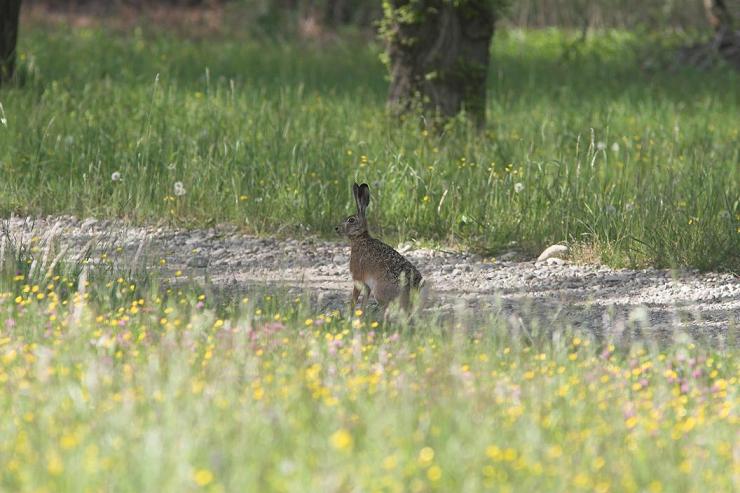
{"type": "Point", "coordinates": [9, 17]}
{"type": "Point", "coordinates": [438, 55]}
{"type": "Point", "coordinates": [724, 44]}
{"type": "Point", "coordinates": [726, 38]}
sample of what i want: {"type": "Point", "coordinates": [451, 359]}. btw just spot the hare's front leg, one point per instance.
{"type": "Point", "coordinates": [355, 295]}
{"type": "Point", "coordinates": [365, 297]}
{"type": "Point", "coordinates": [360, 287]}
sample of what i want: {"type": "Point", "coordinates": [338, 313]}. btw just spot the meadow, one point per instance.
{"type": "Point", "coordinates": [112, 386]}
{"type": "Point", "coordinates": [112, 382]}
{"type": "Point", "coordinates": [598, 144]}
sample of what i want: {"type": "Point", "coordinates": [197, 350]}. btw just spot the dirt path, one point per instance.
{"type": "Point", "coordinates": [552, 292]}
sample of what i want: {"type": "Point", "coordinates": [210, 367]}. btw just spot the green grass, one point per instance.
{"type": "Point", "coordinates": [127, 389]}
{"type": "Point", "coordinates": [638, 166]}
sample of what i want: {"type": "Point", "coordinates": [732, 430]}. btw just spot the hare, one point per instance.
{"type": "Point", "coordinates": [376, 267]}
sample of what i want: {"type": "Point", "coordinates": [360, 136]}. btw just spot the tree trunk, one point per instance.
{"type": "Point", "coordinates": [718, 15]}
{"type": "Point", "coordinates": [438, 54]}
{"type": "Point", "coordinates": [726, 38]}
{"type": "Point", "coordinates": [9, 17]}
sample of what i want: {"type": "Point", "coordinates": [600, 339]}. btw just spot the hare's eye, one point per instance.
{"type": "Point", "coordinates": [351, 220]}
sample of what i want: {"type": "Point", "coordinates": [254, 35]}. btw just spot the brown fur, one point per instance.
{"type": "Point", "coordinates": [376, 268]}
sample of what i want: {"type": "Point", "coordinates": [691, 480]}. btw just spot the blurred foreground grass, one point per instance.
{"type": "Point", "coordinates": [118, 387]}
{"type": "Point", "coordinates": [636, 165]}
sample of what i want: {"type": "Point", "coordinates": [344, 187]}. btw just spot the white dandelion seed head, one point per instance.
{"type": "Point", "coordinates": [179, 188]}
{"type": "Point", "coordinates": [115, 176]}
{"type": "Point", "coordinates": [518, 187]}
{"type": "Point", "coordinates": [610, 209]}
{"type": "Point", "coordinates": [629, 207]}
{"type": "Point", "coordinates": [601, 146]}
{"type": "Point", "coordinates": [286, 466]}
{"type": "Point", "coordinates": [725, 215]}
{"type": "Point", "coordinates": [615, 147]}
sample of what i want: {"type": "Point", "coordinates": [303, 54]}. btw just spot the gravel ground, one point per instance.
{"type": "Point", "coordinates": [553, 292]}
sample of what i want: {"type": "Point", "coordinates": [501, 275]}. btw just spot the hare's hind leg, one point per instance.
{"type": "Point", "coordinates": [355, 295]}
{"type": "Point", "coordinates": [399, 310]}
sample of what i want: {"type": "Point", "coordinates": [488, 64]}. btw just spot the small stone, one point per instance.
{"type": "Point", "coordinates": [614, 278]}
{"type": "Point", "coordinates": [554, 261]}
{"type": "Point", "coordinates": [558, 251]}
{"type": "Point", "coordinates": [506, 257]}
{"type": "Point", "coordinates": [198, 262]}
{"type": "Point", "coordinates": [404, 248]}
{"type": "Point", "coordinates": [340, 259]}
{"type": "Point", "coordinates": [87, 223]}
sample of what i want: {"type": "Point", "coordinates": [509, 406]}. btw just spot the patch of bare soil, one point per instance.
{"type": "Point", "coordinates": [553, 293]}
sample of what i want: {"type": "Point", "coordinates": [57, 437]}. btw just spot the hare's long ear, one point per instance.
{"type": "Point", "coordinates": [356, 195]}
{"type": "Point", "coordinates": [363, 198]}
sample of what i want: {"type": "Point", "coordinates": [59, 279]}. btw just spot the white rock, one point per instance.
{"type": "Point", "coordinates": [87, 223]}
{"type": "Point", "coordinates": [553, 251]}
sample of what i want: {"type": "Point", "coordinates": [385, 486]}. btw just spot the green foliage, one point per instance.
{"type": "Point", "coordinates": [640, 166]}
{"type": "Point", "coordinates": [411, 12]}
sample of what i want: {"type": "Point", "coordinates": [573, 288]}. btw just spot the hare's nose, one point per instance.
{"type": "Point", "coordinates": [336, 228]}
